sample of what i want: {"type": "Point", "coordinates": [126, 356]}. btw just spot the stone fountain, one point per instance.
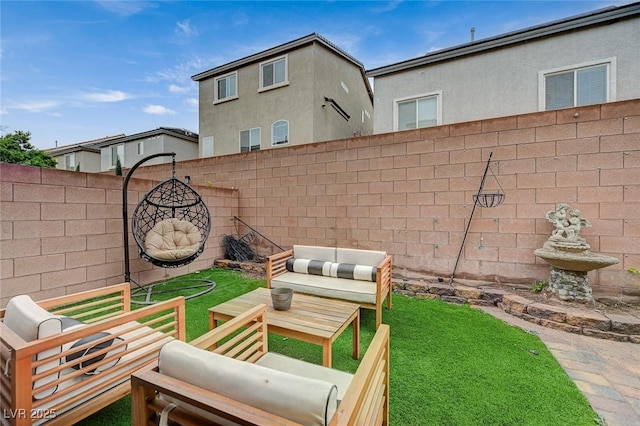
{"type": "Point", "coordinates": [570, 256]}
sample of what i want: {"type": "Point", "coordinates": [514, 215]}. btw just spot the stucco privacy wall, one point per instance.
{"type": "Point", "coordinates": [410, 193]}
{"type": "Point", "coordinates": [61, 231]}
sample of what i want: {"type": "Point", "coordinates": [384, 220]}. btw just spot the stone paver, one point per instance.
{"type": "Point", "coordinates": [607, 372]}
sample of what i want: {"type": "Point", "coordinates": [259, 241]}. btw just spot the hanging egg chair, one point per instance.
{"type": "Point", "coordinates": [170, 226]}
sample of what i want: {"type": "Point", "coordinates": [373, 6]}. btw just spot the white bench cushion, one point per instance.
{"type": "Point", "coordinates": [328, 254]}
{"type": "Point", "coordinates": [335, 288]}
{"type": "Point", "coordinates": [360, 257]}
{"type": "Point", "coordinates": [300, 399]}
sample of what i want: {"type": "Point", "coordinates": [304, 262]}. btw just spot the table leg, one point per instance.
{"type": "Point", "coordinates": [356, 336]}
{"type": "Point", "coordinates": [212, 321]}
{"type": "Point", "coordinates": [326, 353]}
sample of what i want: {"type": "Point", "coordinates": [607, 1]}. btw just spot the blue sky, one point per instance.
{"type": "Point", "coordinates": [73, 71]}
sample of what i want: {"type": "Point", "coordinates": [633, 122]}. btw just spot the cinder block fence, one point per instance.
{"type": "Point", "coordinates": [409, 193]}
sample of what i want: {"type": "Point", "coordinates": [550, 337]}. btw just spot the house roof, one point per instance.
{"type": "Point", "coordinates": [274, 51]}
{"type": "Point", "coordinates": [597, 17]}
{"type": "Point", "coordinates": [184, 134]}
{"type": "Point", "coordinates": [89, 146]}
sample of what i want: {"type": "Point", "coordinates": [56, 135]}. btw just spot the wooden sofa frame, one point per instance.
{"type": "Point", "coordinates": [277, 265]}
{"type": "Point", "coordinates": [366, 400]}
{"type": "Point", "coordinates": [101, 309]}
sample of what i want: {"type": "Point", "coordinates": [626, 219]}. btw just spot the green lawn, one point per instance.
{"type": "Point", "coordinates": [450, 364]}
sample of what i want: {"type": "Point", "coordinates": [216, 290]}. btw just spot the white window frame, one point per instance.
{"type": "Point", "coordinates": [611, 79]}
{"type": "Point", "coordinates": [436, 94]}
{"type": "Point", "coordinates": [140, 148]}
{"type": "Point", "coordinates": [261, 87]}
{"type": "Point", "coordinates": [216, 96]}
{"type": "Point", "coordinates": [273, 133]}
{"type": "Point", "coordinates": [119, 153]}
{"type": "Point", "coordinates": [251, 144]}
{"type": "Point", "coordinates": [70, 161]}
{"type": "Point", "coordinates": [208, 148]}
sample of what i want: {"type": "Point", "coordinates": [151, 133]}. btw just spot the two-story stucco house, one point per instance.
{"type": "Point", "coordinates": [133, 148]}
{"type": "Point", "coordinates": [303, 91]}
{"type": "Point", "coordinates": [82, 157]}
{"type": "Point", "coordinates": [591, 58]}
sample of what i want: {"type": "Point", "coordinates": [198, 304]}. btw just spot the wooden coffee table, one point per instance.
{"type": "Point", "coordinates": [310, 319]}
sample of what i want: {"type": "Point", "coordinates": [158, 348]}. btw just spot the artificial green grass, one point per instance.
{"type": "Point", "coordinates": [450, 364]}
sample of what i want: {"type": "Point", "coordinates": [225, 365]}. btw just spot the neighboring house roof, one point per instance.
{"type": "Point", "coordinates": [184, 134]}
{"type": "Point", "coordinates": [279, 50]}
{"type": "Point", "coordinates": [89, 146]}
{"type": "Point", "coordinates": [597, 17]}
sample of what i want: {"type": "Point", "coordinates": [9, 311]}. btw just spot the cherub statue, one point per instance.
{"type": "Point", "coordinates": [575, 224]}
{"type": "Point", "coordinates": [559, 219]}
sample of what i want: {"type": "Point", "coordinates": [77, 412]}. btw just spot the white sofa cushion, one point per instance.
{"type": "Point", "coordinates": [276, 361]}
{"type": "Point", "coordinates": [335, 288]}
{"type": "Point", "coordinates": [328, 254]}
{"type": "Point", "coordinates": [31, 322]}
{"type": "Point", "coordinates": [360, 257]}
{"type": "Point", "coordinates": [300, 399]}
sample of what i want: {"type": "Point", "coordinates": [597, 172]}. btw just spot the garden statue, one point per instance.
{"type": "Point", "coordinates": [569, 255]}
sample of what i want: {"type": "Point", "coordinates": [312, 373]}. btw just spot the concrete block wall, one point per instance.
{"type": "Point", "coordinates": [411, 193]}
{"type": "Point", "coordinates": [61, 231]}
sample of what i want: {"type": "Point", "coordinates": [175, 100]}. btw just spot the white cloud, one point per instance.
{"type": "Point", "coordinates": [109, 96]}
{"type": "Point", "coordinates": [184, 29]}
{"type": "Point", "coordinates": [181, 72]}
{"type": "Point", "coordinates": [158, 110]}
{"type": "Point", "coordinates": [174, 88]}
{"type": "Point", "coordinates": [383, 7]}
{"type": "Point", "coordinates": [125, 8]}
{"type": "Point", "coordinates": [192, 102]}
{"type": "Point", "coordinates": [35, 106]}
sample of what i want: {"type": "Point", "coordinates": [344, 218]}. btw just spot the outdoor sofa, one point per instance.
{"type": "Point", "coordinates": [66, 358]}
{"type": "Point", "coordinates": [355, 275]}
{"type": "Point", "coordinates": [228, 377]}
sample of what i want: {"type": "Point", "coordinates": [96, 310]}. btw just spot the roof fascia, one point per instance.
{"type": "Point", "coordinates": [545, 30]}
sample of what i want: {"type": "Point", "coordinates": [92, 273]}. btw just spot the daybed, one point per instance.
{"type": "Point", "coordinates": [229, 377]}
{"type": "Point", "coordinates": [362, 276]}
{"type": "Point", "coordinates": [68, 357]}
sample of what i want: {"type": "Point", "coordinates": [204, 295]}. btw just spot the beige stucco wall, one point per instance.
{"type": "Point", "coordinates": [504, 81]}
{"type": "Point", "coordinates": [313, 72]}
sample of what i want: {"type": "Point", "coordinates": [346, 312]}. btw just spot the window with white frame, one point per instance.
{"type": "Point", "coordinates": [273, 73]}
{"type": "Point", "coordinates": [207, 146]}
{"type": "Point", "coordinates": [417, 112]}
{"type": "Point", "coordinates": [226, 87]}
{"type": "Point", "coordinates": [117, 151]}
{"type": "Point", "coordinates": [140, 147]}
{"type": "Point", "coordinates": [250, 140]}
{"type": "Point", "coordinates": [70, 161]}
{"type": "Point", "coordinates": [579, 85]}
{"type": "Point", "coordinates": [280, 132]}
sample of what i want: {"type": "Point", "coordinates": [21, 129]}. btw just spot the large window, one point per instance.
{"type": "Point", "coordinates": [280, 132]}
{"type": "Point", "coordinates": [273, 73]}
{"type": "Point", "coordinates": [414, 113]}
{"type": "Point", "coordinates": [586, 84]}
{"type": "Point", "coordinates": [250, 140]}
{"type": "Point", "coordinates": [226, 87]}
{"type": "Point", "coordinates": [117, 151]}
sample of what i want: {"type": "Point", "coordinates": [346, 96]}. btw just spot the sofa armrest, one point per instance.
{"type": "Point", "coordinates": [92, 305]}
{"type": "Point", "coordinates": [277, 265]}
{"type": "Point", "coordinates": [140, 333]}
{"type": "Point", "coordinates": [383, 278]}
{"type": "Point", "coordinates": [146, 384]}
{"type": "Point", "coordinates": [249, 345]}
{"type": "Point", "coordinates": [366, 400]}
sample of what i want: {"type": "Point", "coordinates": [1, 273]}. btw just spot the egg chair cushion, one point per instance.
{"type": "Point", "coordinates": [172, 239]}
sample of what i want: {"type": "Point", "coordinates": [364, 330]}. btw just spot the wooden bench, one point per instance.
{"type": "Point", "coordinates": [226, 353]}
{"type": "Point", "coordinates": [70, 374]}
{"type": "Point", "coordinates": [355, 275]}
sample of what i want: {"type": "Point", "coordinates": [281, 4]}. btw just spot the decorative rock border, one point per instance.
{"type": "Point", "coordinates": [621, 328]}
